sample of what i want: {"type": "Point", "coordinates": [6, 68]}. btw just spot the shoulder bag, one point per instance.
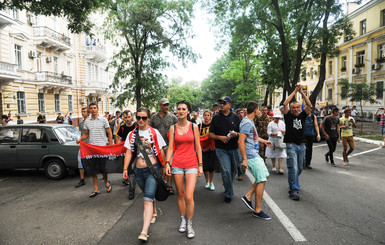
{"type": "Point", "coordinates": [162, 190]}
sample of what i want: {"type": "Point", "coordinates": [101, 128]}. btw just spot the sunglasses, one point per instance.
{"type": "Point", "coordinates": [222, 102]}
{"type": "Point", "coordinates": [141, 118]}
{"type": "Point", "coordinates": [167, 104]}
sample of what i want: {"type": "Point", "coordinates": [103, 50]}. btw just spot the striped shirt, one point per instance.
{"type": "Point", "coordinates": [382, 120]}
{"type": "Point", "coordinates": [97, 130]}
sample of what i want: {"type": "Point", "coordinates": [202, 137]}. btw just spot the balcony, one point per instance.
{"type": "Point", "coordinates": [96, 53]}
{"type": "Point", "coordinates": [8, 71]}
{"type": "Point", "coordinates": [48, 38]}
{"type": "Point", "coordinates": [49, 80]}
{"type": "Point", "coordinates": [96, 88]}
{"type": "Point", "coordinates": [6, 18]}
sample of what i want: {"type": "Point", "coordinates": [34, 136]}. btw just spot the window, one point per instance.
{"type": "Point", "coordinates": [18, 59]}
{"type": "Point", "coordinates": [343, 63]}
{"type": "Point", "coordinates": [361, 57]}
{"type": "Point", "coordinates": [21, 103]}
{"type": "Point", "coordinates": [311, 73]}
{"type": "Point", "coordinates": [330, 95]}
{"type": "Point", "coordinates": [57, 103]}
{"type": "Point", "coordinates": [380, 90]}
{"type": "Point", "coordinates": [70, 107]}
{"type": "Point", "coordinates": [381, 50]}
{"type": "Point", "coordinates": [382, 17]}
{"type": "Point", "coordinates": [38, 62]}
{"type": "Point", "coordinates": [319, 96]}
{"type": "Point", "coordinates": [55, 70]}
{"type": "Point", "coordinates": [16, 14]}
{"type": "Point", "coordinates": [9, 135]}
{"type": "Point", "coordinates": [34, 135]}
{"type": "Point", "coordinates": [363, 27]}
{"type": "Point", "coordinates": [40, 97]}
{"type": "Point", "coordinates": [69, 68]}
{"type": "Point", "coordinates": [330, 67]}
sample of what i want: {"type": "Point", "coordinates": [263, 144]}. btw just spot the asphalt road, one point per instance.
{"type": "Point", "coordinates": [339, 205]}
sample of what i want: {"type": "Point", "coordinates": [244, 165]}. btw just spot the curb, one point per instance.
{"type": "Point", "coordinates": [374, 142]}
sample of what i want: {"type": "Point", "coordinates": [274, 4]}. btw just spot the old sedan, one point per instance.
{"type": "Point", "coordinates": [49, 146]}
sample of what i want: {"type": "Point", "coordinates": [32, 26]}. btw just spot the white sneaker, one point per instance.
{"type": "Point", "coordinates": [190, 230]}
{"type": "Point", "coordinates": [182, 227]}
{"type": "Point", "coordinates": [212, 187]}
{"type": "Point", "coordinates": [207, 186]}
{"type": "Point", "coordinates": [274, 170]}
{"type": "Point", "coordinates": [344, 163]}
{"type": "Point", "coordinates": [143, 236]}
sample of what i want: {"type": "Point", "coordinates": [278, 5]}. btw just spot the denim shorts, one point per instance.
{"type": "Point", "coordinates": [147, 182]}
{"type": "Point", "coordinates": [382, 131]}
{"type": "Point", "coordinates": [80, 165]}
{"type": "Point", "coordinates": [184, 170]}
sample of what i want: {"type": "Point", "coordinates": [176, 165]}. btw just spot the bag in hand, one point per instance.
{"type": "Point", "coordinates": [278, 143]}
{"type": "Point", "coordinates": [162, 190]}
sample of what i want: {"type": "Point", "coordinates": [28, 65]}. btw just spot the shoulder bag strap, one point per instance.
{"type": "Point", "coordinates": [139, 144]}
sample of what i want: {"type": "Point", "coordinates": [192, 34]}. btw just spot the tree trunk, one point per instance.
{"type": "Point", "coordinates": [266, 97]}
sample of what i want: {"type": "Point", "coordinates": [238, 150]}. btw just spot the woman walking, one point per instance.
{"type": "Point", "coordinates": [276, 130]}
{"type": "Point", "coordinates": [208, 150]}
{"type": "Point", "coordinates": [153, 143]}
{"type": "Point", "coordinates": [186, 163]}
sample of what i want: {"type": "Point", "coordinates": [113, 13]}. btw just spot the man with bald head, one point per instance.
{"type": "Point", "coordinates": [295, 139]}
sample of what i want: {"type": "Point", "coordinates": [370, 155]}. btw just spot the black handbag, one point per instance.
{"type": "Point", "coordinates": [162, 190]}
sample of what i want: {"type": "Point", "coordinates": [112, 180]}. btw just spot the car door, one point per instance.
{"type": "Point", "coordinates": [9, 138]}
{"type": "Point", "coordinates": [33, 146]}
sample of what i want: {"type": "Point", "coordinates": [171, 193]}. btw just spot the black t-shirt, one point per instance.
{"type": "Point", "coordinates": [221, 125]}
{"type": "Point", "coordinates": [295, 128]}
{"type": "Point", "coordinates": [40, 119]}
{"type": "Point", "coordinates": [330, 126]}
{"type": "Point", "coordinates": [204, 128]}
{"type": "Point", "coordinates": [124, 130]}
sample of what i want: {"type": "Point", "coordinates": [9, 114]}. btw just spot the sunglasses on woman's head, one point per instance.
{"type": "Point", "coordinates": [141, 118]}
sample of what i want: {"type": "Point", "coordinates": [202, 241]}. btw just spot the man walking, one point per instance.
{"type": "Point", "coordinates": [124, 129]}
{"type": "Point", "coordinates": [382, 121]}
{"type": "Point", "coordinates": [261, 122]}
{"type": "Point", "coordinates": [311, 125]}
{"type": "Point", "coordinates": [95, 128]}
{"type": "Point", "coordinates": [224, 130]}
{"type": "Point", "coordinates": [85, 115]}
{"type": "Point", "coordinates": [162, 121]}
{"type": "Point", "coordinates": [331, 129]}
{"type": "Point", "coordinates": [248, 146]}
{"type": "Point", "coordinates": [295, 139]}
{"type": "Point", "coordinates": [347, 124]}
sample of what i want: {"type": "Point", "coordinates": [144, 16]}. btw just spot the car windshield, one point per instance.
{"type": "Point", "coordinates": [67, 134]}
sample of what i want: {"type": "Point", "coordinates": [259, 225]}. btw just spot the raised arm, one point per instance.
{"type": "Point", "coordinates": [289, 98]}
{"type": "Point", "coordinates": [308, 107]}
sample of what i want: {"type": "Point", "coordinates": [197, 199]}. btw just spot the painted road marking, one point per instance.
{"type": "Point", "coordinates": [360, 153]}
{"type": "Point", "coordinates": [315, 146]}
{"type": "Point", "coordinates": [2, 179]}
{"type": "Point", "coordinates": [289, 226]}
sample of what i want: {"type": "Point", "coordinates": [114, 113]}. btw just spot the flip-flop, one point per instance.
{"type": "Point", "coordinates": [109, 187]}
{"type": "Point", "coordinates": [171, 190]}
{"type": "Point", "coordinates": [94, 194]}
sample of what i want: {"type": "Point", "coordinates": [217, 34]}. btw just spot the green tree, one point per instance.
{"type": "Point", "coordinates": [358, 93]}
{"type": "Point", "coordinates": [76, 11]}
{"type": "Point", "coordinates": [144, 31]}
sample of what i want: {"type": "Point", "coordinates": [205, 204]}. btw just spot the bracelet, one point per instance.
{"type": "Point", "coordinates": [125, 169]}
{"type": "Point", "coordinates": [200, 164]}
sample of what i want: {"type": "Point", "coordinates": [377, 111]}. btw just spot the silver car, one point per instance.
{"type": "Point", "coordinates": [49, 146]}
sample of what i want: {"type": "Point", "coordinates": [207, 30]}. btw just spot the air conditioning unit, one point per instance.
{"type": "Point", "coordinates": [32, 54]}
{"type": "Point", "coordinates": [31, 20]}
{"type": "Point", "coordinates": [376, 66]}
{"type": "Point", "coordinates": [81, 101]}
{"type": "Point", "coordinates": [48, 59]}
{"type": "Point", "coordinates": [356, 70]}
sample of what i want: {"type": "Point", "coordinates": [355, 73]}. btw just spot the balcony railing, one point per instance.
{"type": "Point", "coordinates": [96, 53]}
{"type": "Point", "coordinates": [7, 68]}
{"type": "Point", "coordinates": [43, 31]}
{"type": "Point", "coordinates": [46, 76]}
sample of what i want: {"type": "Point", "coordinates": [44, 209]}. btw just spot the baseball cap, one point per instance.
{"type": "Point", "coordinates": [164, 101]}
{"type": "Point", "coordinates": [281, 107]}
{"type": "Point", "coordinates": [226, 99]}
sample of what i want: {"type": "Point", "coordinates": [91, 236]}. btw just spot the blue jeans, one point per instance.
{"type": "Point", "coordinates": [147, 182]}
{"type": "Point", "coordinates": [295, 164]}
{"type": "Point", "coordinates": [229, 160]}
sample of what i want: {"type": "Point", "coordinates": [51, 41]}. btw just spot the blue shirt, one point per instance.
{"type": "Point", "coordinates": [251, 143]}
{"type": "Point", "coordinates": [309, 125]}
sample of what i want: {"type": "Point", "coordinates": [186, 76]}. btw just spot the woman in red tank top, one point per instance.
{"type": "Point", "coordinates": [187, 162]}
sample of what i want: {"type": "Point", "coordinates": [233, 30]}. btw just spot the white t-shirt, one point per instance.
{"type": "Point", "coordinates": [146, 141]}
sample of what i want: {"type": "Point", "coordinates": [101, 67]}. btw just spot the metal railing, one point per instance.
{"type": "Point", "coordinates": [43, 31]}
{"type": "Point", "coordinates": [46, 76]}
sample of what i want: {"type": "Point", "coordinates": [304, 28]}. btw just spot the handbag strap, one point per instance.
{"type": "Point", "coordinates": [139, 144]}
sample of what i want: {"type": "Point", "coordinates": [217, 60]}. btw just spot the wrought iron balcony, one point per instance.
{"type": "Point", "coordinates": [49, 38]}
{"type": "Point", "coordinates": [55, 78]}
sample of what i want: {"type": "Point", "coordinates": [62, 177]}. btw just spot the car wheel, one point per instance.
{"type": "Point", "coordinates": [55, 169]}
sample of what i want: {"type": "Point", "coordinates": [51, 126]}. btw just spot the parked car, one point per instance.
{"type": "Point", "coordinates": [49, 146]}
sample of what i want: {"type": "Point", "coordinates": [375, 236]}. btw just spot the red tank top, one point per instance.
{"type": "Point", "coordinates": [185, 155]}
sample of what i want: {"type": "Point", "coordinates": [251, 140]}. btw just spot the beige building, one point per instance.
{"type": "Point", "coordinates": [44, 68]}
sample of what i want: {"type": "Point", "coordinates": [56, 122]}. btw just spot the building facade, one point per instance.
{"type": "Point", "coordinates": [46, 69]}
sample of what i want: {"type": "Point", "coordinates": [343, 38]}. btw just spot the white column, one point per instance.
{"type": "Point", "coordinates": [336, 80]}
{"type": "Point", "coordinates": [350, 64]}
{"type": "Point", "coordinates": [369, 62]}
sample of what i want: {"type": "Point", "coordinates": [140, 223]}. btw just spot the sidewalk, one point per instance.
{"type": "Point", "coordinates": [369, 128]}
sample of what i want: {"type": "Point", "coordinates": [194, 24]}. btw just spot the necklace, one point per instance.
{"type": "Point", "coordinates": [182, 130]}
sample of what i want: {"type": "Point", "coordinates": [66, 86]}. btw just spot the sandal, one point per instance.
{"type": "Point", "coordinates": [143, 236]}
{"type": "Point", "coordinates": [154, 218]}
{"type": "Point", "coordinates": [171, 190]}
{"type": "Point", "coordinates": [109, 187]}
{"type": "Point", "coordinates": [94, 194]}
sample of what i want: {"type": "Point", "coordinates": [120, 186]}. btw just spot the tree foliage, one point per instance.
{"type": "Point", "coordinates": [143, 31]}
{"type": "Point", "coordinates": [76, 11]}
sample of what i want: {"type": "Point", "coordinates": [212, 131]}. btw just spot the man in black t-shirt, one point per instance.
{"type": "Point", "coordinates": [331, 129]}
{"type": "Point", "coordinates": [295, 139]}
{"type": "Point", "coordinates": [41, 118]}
{"type": "Point", "coordinates": [224, 130]}
{"type": "Point", "coordinates": [121, 135]}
